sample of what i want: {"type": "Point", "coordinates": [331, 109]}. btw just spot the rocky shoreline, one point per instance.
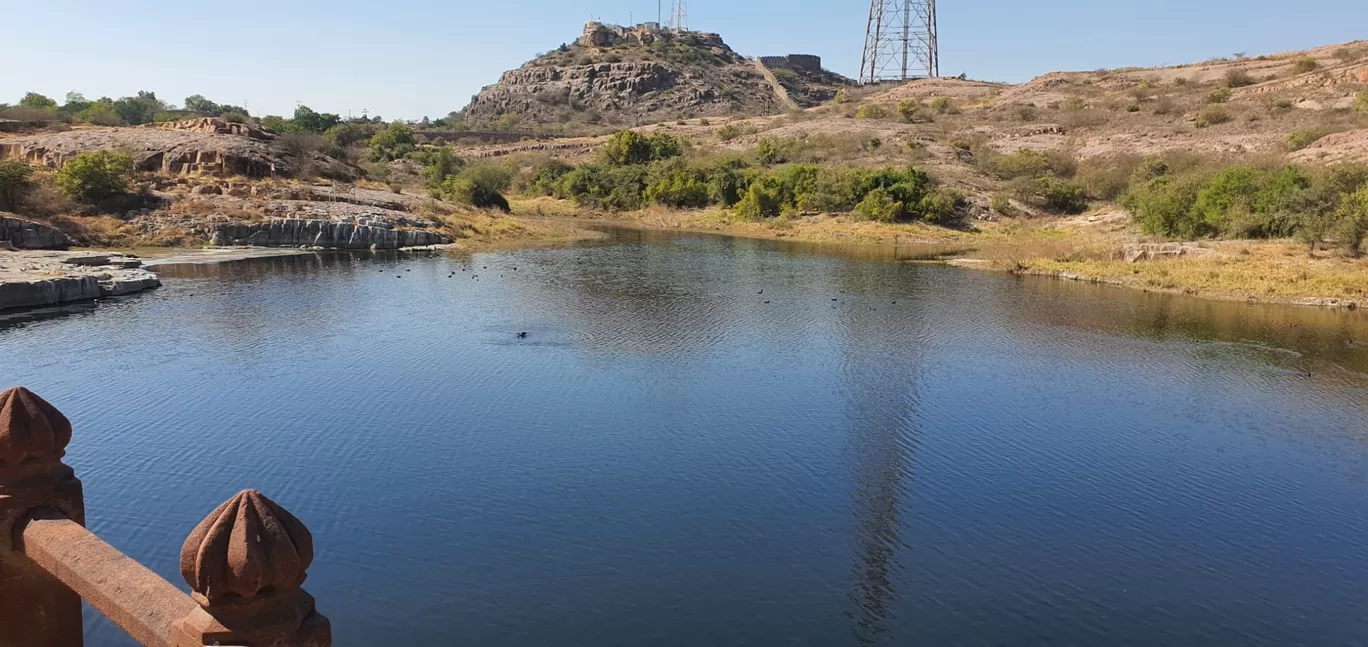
{"type": "Point", "coordinates": [31, 278]}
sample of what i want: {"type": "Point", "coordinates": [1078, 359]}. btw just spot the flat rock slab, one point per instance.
{"type": "Point", "coordinates": [36, 278]}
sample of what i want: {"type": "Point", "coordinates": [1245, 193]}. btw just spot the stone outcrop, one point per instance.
{"type": "Point", "coordinates": [25, 234]}
{"type": "Point", "coordinates": [31, 279]}
{"type": "Point", "coordinates": [216, 126]}
{"type": "Point", "coordinates": [629, 74]}
{"type": "Point", "coordinates": [177, 152]}
{"type": "Point", "coordinates": [292, 232]}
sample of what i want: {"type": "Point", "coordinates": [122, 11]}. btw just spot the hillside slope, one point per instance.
{"type": "Point", "coordinates": [627, 76]}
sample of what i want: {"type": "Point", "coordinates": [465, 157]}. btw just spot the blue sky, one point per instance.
{"type": "Point", "coordinates": [410, 58]}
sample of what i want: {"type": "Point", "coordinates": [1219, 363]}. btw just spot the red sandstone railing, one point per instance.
{"type": "Point", "coordinates": [244, 563]}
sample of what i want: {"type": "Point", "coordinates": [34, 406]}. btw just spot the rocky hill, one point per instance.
{"type": "Point", "coordinates": [615, 76]}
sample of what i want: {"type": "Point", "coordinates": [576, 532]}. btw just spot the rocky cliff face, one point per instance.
{"type": "Point", "coordinates": [624, 76]}
{"type": "Point", "coordinates": [292, 232]}
{"type": "Point", "coordinates": [195, 148]}
{"type": "Point", "coordinates": [24, 234]}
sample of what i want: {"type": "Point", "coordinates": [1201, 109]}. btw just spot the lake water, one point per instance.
{"type": "Point", "coordinates": [715, 441]}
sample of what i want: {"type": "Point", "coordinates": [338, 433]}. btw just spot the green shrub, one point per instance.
{"type": "Point", "coordinates": [1361, 102]}
{"type": "Point", "coordinates": [678, 186]}
{"type": "Point", "coordinates": [1025, 112]}
{"type": "Point", "coordinates": [630, 147]}
{"type": "Point", "coordinates": [942, 206]}
{"type": "Point", "coordinates": [1061, 196]}
{"type": "Point", "coordinates": [944, 105]}
{"type": "Point", "coordinates": [1304, 65]}
{"type": "Point", "coordinates": [1134, 107]}
{"type": "Point", "coordinates": [99, 113]}
{"type": "Point", "coordinates": [441, 164]}
{"type": "Point", "coordinates": [392, 143]}
{"type": "Point", "coordinates": [479, 186]}
{"type": "Point", "coordinates": [1027, 163]}
{"type": "Point", "coordinates": [879, 205]}
{"type": "Point", "coordinates": [728, 180]}
{"type": "Point", "coordinates": [1211, 116]}
{"type": "Point", "coordinates": [235, 117]}
{"type": "Point", "coordinates": [617, 188]}
{"type": "Point", "coordinates": [1353, 221]}
{"type": "Point", "coordinates": [1219, 95]}
{"type": "Point", "coordinates": [729, 132]}
{"type": "Point", "coordinates": [1300, 139]}
{"type": "Point", "coordinates": [1107, 178]}
{"type": "Point", "coordinates": [16, 181]}
{"type": "Point", "coordinates": [546, 178]}
{"type": "Point", "coordinates": [1163, 205]}
{"type": "Point", "coordinates": [346, 135]}
{"type": "Point", "coordinates": [912, 112]}
{"type": "Point", "coordinates": [95, 176]}
{"type": "Point", "coordinates": [774, 151]}
{"type": "Point", "coordinates": [871, 111]}
{"type": "Point", "coordinates": [1238, 79]}
{"type": "Point", "coordinates": [762, 200]}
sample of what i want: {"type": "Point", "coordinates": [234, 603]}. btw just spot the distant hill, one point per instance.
{"type": "Point", "coordinates": [624, 76]}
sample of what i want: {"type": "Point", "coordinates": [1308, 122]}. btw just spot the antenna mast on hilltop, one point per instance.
{"type": "Point", "coordinates": [900, 41]}
{"type": "Point", "coordinates": [679, 15]}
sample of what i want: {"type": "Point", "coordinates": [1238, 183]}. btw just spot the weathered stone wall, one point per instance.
{"type": "Point", "coordinates": [795, 62]}
{"type": "Point", "coordinates": [25, 234]}
{"type": "Point", "coordinates": [291, 232]}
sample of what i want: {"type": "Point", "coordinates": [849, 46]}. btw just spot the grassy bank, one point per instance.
{"type": "Point", "coordinates": [1080, 248]}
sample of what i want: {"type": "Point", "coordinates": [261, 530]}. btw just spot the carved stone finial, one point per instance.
{"type": "Point", "coordinates": [247, 547]}
{"type": "Point", "coordinates": [31, 430]}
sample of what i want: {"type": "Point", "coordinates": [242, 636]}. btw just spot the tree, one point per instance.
{"type": "Point", "coordinates": [197, 103]}
{"type": "Point", "coordinates": [37, 102]}
{"type": "Point", "coordinates": [307, 120]}
{"type": "Point", "coordinates": [75, 102]}
{"type": "Point", "coordinates": [393, 143]}
{"type": "Point", "coordinates": [1353, 221]}
{"type": "Point", "coordinates": [100, 113]}
{"type": "Point", "coordinates": [95, 176]}
{"type": "Point", "coordinates": [15, 183]}
{"type": "Point", "coordinates": [140, 109]}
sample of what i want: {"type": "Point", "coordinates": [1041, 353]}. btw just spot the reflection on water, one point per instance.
{"type": "Point", "coordinates": [708, 440]}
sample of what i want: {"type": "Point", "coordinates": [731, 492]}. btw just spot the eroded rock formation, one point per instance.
{"type": "Point", "coordinates": [177, 152]}
{"type": "Point", "coordinates": [25, 234]}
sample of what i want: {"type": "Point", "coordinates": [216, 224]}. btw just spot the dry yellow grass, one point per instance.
{"type": "Point", "coordinates": [1279, 271]}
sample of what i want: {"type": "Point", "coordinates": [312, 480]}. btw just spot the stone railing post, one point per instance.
{"type": "Point", "coordinates": [36, 610]}
{"type": "Point", "coordinates": [245, 563]}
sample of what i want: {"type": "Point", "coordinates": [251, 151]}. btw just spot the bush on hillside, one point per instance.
{"type": "Point", "coordinates": [442, 163]}
{"type": "Point", "coordinates": [1302, 138]}
{"type": "Point", "coordinates": [871, 111]}
{"type": "Point", "coordinates": [1304, 65]}
{"type": "Point", "coordinates": [392, 143]}
{"type": "Point", "coordinates": [761, 200]}
{"type": "Point", "coordinates": [1211, 116]}
{"type": "Point", "coordinates": [16, 181]}
{"type": "Point", "coordinates": [479, 186]}
{"type": "Point", "coordinates": [1238, 79]}
{"type": "Point", "coordinates": [95, 176]}
{"type": "Point", "coordinates": [1219, 95]}
{"type": "Point", "coordinates": [630, 147]}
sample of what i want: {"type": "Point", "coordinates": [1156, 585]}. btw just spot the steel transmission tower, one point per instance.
{"type": "Point", "coordinates": [900, 41]}
{"type": "Point", "coordinates": [679, 15]}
